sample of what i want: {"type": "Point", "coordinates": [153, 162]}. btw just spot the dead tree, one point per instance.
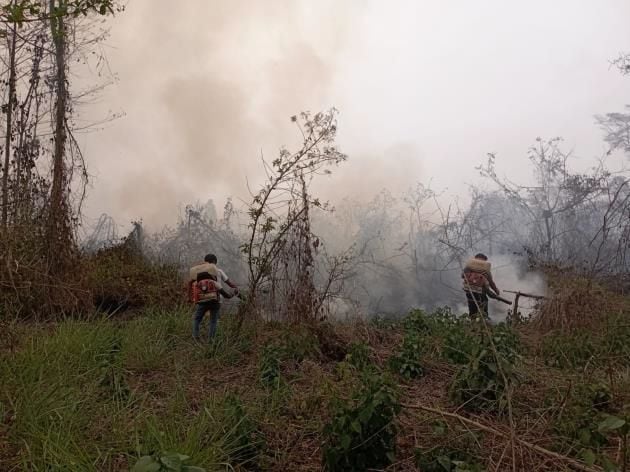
{"type": "Point", "coordinates": [550, 205]}
{"type": "Point", "coordinates": [58, 224]}
{"type": "Point", "coordinates": [38, 217]}
{"type": "Point", "coordinates": [280, 215]}
{"type": "Point", "coordinates": [8, 110]}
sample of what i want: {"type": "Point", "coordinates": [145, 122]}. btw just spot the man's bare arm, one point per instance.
{"type": "Point", "coordinates": [493, 286]}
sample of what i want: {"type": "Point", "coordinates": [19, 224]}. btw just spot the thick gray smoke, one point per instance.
{"type": "Point", "coordinates": [207, 89]}
{"type": "Point", "coordinates": [399, 265]}
{"type": "Point", "coordinates": [512, 275]}
{"type": "Point", "coordinates": [425, 89]}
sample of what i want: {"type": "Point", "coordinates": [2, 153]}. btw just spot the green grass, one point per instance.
{"type": "Point", "coordinates": [96, 395]}
{"type": "Point", "coordinates": [608, 346]}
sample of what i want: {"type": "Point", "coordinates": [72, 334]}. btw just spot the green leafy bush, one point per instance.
{"type": "Point", "coordinates": [444, 315]}
{"type": "Point", "coordinates": [418, 321]}
{"type": "Point", "coordinates": [299, 343]}
{"type": "Point", "coordinates": [362, 435]}
{"type": "Point", "coordinates": [483, 383]}
{"type": "Point", "coordinates": [578, 425]}
{"type": "Point", "coordinates": [507, 342]}
{"type": "Point", "coordinates": [458, 345]}
{"type": "Point", "coordinates": [590, 423]}
{"type": "Point", "coordinates": [359, 355]}
{"type": "Point", "coordinates": [120, 277]}
{"type": "Point", "coordinates": [446, 334]}
{"type": "Point", "coordinates": [407, 362]}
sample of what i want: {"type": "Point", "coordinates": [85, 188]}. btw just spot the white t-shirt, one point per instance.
{"type": "Point", "coordinates": [222, 276]}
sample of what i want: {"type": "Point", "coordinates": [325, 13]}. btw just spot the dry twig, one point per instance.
{"type": "Point", "coordinates": [568, 460]}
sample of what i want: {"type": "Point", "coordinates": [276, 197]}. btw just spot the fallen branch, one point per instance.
{"type": "Point", "coordinates": [572, 462]}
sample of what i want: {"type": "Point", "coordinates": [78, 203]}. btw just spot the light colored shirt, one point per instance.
{"type": "Point", "coordinates": [211, 269]}
{"type": "Point", "coordinates": [222, 275]}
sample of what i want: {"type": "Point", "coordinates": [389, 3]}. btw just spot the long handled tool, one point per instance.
{"type": "Point", "coordinates": [498, 298]}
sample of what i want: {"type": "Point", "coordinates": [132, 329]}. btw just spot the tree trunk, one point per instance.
{"type": "Point", "coordinates": [8, 131]}
{"type": "Point", "coordinates": [56, 224]}
{"type": "Point", "coordinates": [549, 251]}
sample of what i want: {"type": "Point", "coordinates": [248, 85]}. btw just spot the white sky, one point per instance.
{"type": "Point", "coordinates": [425, 89]}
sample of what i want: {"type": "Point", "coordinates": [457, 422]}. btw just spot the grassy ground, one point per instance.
{"type": "Point", "coordinates": [98, 395]}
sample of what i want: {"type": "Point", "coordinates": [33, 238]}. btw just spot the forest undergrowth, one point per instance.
{"type": "Point", "coordinates": [428, 392]}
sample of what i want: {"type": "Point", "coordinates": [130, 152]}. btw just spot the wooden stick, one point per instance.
{"type": "Point", "coordinates": [523, 294]}
{"type": "Point", "coordinates": [574, 463]}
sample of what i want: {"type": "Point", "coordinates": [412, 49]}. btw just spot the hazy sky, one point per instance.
{"type": "Point", "coordinates": [425, 89]}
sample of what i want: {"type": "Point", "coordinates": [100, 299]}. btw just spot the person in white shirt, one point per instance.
{"type": "Point", "coordinates": [211, 300]}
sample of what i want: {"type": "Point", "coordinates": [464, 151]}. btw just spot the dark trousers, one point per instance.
{"type": "Point", "coordinates": [213, 307]}
{"type": "Point", "coordinates": [477, 302]}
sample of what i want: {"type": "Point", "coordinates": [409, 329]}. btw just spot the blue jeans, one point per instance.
{"type": "Point", "coordinates": [200, 311]}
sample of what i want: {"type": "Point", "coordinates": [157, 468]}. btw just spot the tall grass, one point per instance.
{"type": "Point", "coordinates": [80, 399]}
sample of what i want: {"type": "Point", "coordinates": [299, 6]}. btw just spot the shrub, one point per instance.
{"type": "Point", "coordinates": [588, 422]}
{"type": "Point", "coordinates": [417, 321]}
{"type": "Point", "coordinates": [579, 423]}
{"type": "Point", "coordinates": [363, 435]}
{"type": "Point", "coordinates": [445, 315]}
{"type": "Point", "coordinates": [299, 343]}
{"type": "Point", "coordinates": [569, 350]}
{"type": "Point", "coordinates": [507, 342]}
{"type": "Point", "coordinates": [458, 345]}
{"type": "Point", "coordinates": [359, 355]}
{"type": "Point", "coordinates": [120, 277]}
{"type": "Point", "coordinates": [27, 291]}
{"type": "Point", "coordinates": [407, 362]}
{"type": "Point", "coordinates": [331, 346]}
{"type": "Point", "coordinates": [483, 383]}
{"type": "Point", "coordinates": [445, 334]}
